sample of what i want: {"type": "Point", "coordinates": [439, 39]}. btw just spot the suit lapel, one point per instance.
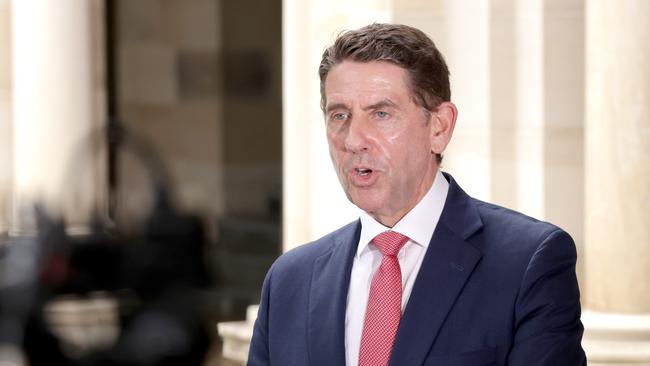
{"type": "Point", "coordinates": [328, 299]}
{"type": "Point", "coordinates": [447, 265]}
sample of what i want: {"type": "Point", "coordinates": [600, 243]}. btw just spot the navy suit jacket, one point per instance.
{"type": "Point", "coordinates": [495, 288]}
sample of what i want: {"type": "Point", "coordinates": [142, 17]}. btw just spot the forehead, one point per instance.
{"type": "Point", "coordinates": [351, 80]}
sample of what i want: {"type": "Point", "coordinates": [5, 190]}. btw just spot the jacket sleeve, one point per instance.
{"type": "Point", "coordinates": [548, 330]}
{"type": "Point", "coordinates": [258, 354]}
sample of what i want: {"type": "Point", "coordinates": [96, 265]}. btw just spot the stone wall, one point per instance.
{"type": "Point", "coordinates": [203, 85]}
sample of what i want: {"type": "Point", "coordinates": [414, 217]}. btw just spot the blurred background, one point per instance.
{"type": "Point", "coordinates": [156, 156]}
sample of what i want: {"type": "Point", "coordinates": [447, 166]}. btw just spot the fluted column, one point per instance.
{"type": "Point", "coordinates": [55, 109]}
{"type": "Point", "coordinates": [617, 250]}
{"type": "Point", "coordinates": [517, 78]}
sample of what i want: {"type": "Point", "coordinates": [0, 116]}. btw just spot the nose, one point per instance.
{"type": "Point", "coordinates": [357, 138]}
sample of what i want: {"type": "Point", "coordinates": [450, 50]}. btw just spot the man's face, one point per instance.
{"type": "Point", "coordinates": [380, 141]}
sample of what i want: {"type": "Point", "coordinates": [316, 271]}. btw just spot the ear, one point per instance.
{"type": "Point", "coordinates": [442, 122]}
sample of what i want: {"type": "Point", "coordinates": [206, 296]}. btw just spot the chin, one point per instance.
{"type": "Point", "coordinates": [368, 205]}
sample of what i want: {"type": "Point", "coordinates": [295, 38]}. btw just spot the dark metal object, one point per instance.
{"type": "Point", "coordinates": [162, 270]}
{"type": "Point", "coordinates": [112, 118]}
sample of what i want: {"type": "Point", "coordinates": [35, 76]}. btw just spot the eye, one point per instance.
{"type": "Point", "coordinates": [339, 116]}
{"type": "Point", "coordinates": [382, 114]}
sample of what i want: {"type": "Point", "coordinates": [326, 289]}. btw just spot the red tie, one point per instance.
{"type": "Point", "coordinates": [384, 303]}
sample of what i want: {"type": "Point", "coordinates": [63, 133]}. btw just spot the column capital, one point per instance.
{"type": "Point", "coordinates": [615, 337]}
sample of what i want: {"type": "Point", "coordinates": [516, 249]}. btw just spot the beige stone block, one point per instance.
{"type": "Point", "coordinates": [140, 21]}
{"type": "Point", "coordinates": [192, 25]}
{"type": "Point", "coordinates": [147, 73]}
{"type": "Point", "coordinates": [260, 33]}
{"type": "Point", "coordinates": [244, 123]}
{"type": "Point", "coordinates": [188, 139]}
{"type": "Point", "coordinates": [248, 74]}
{"type": "Point", "coordinates": [191, 131]}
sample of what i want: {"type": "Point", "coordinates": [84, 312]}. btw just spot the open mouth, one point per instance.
{"type": "Point", "coordinates": [363, 171]}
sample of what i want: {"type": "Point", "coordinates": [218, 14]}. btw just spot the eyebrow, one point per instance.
{"type": "Point", "coordinates": [381, 104]}
{"type": "Point", "coordinates": [333, 106]}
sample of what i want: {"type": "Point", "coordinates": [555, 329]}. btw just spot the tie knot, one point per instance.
{"type": "Point", "coordinates": [389, 242]}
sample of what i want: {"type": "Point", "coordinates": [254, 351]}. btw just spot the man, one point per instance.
{"type": "Point", "coordinates": [428, 275]}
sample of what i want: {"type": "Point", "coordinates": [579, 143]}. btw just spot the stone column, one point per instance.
{"type": "Point", "coordinates": [55, 109]}
{"type": "Point", "coordinates": [517, 79]}
{"type": "Point", "coordinates": [563, 109]}
{"type": "Point", "coordinates": [314, 203]}
{"type": "Point", "coordinates": [5, 116]}
{"type": "Point", "coordinates": [617, 176]}
{"type": "Point", "coordinates": [467, 52]}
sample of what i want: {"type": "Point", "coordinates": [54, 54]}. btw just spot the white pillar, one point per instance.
{"type": "Point", "coordinates": [529, 107]}
{"type": "Point", "coordinates": [563, 101]}
{"type": "Point", "coordinates": [5, 116]}
{"type": "Point", "coordinates": [54, 109]}
{"type": "Point", "coordinates": [314, 202]}
{"type": "Point", "coordinates": [617, 250]}
{"type": "Point", "coordinates": [467, 53]}
{"type": "Point", "coordinates": [516, 74]}
{"type": "Point", "coordinates": [503, 94]}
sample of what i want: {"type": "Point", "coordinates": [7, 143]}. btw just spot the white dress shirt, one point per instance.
{"type": "Point", "coordinates": [418, 225]}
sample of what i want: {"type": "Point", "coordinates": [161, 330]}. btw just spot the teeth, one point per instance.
{"type": "Point", "coordinates": [363, 172]}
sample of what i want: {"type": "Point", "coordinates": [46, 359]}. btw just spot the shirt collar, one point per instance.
{"type": "Point", "coordinates": [418, 224]}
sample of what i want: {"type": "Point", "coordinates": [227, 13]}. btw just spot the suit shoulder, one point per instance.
{"type": "Point", "coordinates": [514, 242]}
{"type": "Point", "coordinates": [508, 223]}
{"type": "Point", "coordinates": [305, 254]}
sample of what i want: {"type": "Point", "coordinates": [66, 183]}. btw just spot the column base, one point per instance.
{"type": "Point", "coordinates": [616, 339]}
{"type": "Point", "coordinates": [237, 336]}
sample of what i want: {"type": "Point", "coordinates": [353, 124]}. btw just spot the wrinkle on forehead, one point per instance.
{"type": "Point", "coordinates": [367, 82]}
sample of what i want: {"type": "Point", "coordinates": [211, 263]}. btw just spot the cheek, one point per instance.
{"type": "Point", "coordinates": [337, 160]}
{"type": "Point", "coordinates": [332, 144]}
{"type": "Point", "coordinates": [409, 151]}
